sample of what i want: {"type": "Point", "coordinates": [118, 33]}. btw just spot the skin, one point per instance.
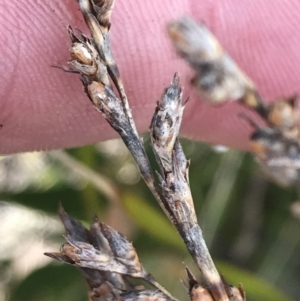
{"type": "Point", "coordinates": [43, 108]}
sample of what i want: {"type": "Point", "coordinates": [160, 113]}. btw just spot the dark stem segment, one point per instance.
{"type": "Point", "coordinates": [112, 109]}
{"type": "Point", "coordinates": [174, 182]}
{"type": "Point", "coordinates": [177, 192]}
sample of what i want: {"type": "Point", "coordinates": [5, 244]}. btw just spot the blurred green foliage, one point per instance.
{"type": "Point", "coordinates": [246, 221]}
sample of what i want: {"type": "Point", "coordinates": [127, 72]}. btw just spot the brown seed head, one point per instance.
{"type": "Point", "coordinates": [284, 115]}
{"type": "Point", "coordinates": [81, 53]}
{"type": "Point", "coordinates": [198, 293]}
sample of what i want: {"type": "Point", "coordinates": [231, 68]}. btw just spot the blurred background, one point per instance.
{"type": "Point", "coordinates": [251, 225]}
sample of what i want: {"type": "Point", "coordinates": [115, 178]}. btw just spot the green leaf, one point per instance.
{"type": "Point", "coordinates": [48, 201]}
{"type": "Point", "coordinates": [57, 282]}
{"type": "Point", "coordinates": [255, 287]}
{"type": "Point", "coordinates": [152, 221]}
